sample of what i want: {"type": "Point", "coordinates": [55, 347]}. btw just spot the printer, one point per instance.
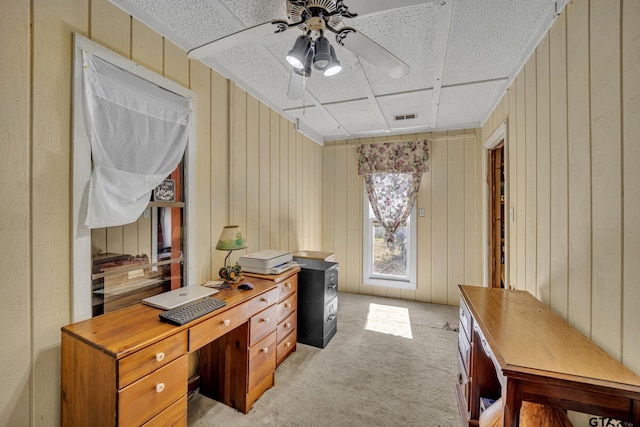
{"type": "Point", "coordinates": [267, 262]}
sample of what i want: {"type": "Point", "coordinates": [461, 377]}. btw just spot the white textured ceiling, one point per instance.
{"type": "Point", "coordinates": [462, 54]}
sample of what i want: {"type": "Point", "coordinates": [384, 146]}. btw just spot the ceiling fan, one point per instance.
{"type": "Point", "coordinates": [317, 18]}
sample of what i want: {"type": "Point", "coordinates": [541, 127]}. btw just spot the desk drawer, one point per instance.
{"type": "Point", "coordinates": [287, 287]}
{"type": "Point", "coordinates": [174, 416]}
{"type": "Point", "coordinates": [213, 328]}
{"type": "Point", "coordinates": [260, 302]}
{"type": "Point", "coordinates": [465, 350]}
{"type": "Point", "coordinates": [465, 319]}
{"type": "Point", "coordinates": [262, 324]}
{"type": "Point", "coordinates": [286, 307]}
{"type": "Point", "coordinates": [262, 360]}
{"type": "Point", "coordinates": [463, 381]}
{"type": "Point", "coordinates": [286, 346]}
{"type": "Point", "coordinates": [150, 395]}
{"type": "Point", "coordinates": [139, 364]}
{"type": "Point", "coordinates": [287, 326]}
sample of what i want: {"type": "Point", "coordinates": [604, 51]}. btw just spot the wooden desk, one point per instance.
{"type": "Point", "coordinates": [513, 345]}
{"type": "Point", "coordinates": [127, 368]}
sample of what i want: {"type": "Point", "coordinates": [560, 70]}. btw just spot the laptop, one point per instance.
{"type": "Point", "coordinates": [177, 297]}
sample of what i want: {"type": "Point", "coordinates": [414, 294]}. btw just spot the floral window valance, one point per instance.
{"type": "Point", "coordinates": [392, 173]}
{"type": "Point", "coordinates": [394, 157]}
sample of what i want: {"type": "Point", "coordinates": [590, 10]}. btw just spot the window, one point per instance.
{"type": "Point", "coordinates": [137, 252]}
{"type": "Point", "coordinates": [395, 266]}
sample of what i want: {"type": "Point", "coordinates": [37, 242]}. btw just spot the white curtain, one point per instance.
{"type": "Point", "coordinates": [138, 133]}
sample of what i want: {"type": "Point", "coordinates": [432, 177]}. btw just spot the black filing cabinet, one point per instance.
{"type": "Point", "coordinates": [317, 301]}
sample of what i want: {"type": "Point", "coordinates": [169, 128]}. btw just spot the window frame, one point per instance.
{"type": "Point", "coordinates": [370, 279]}
{"type": "Point", "coordinates": [81, 292]}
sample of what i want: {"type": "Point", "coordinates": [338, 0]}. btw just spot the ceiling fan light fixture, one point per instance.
{"type": "Point", "coordinates": [305, 71]}
{"type": "Point", "coordinates": [322, 55]}
{"type": "Point", "coordinates": [299, 52]}
{"type": "Point", "coordinates": [334, 66]}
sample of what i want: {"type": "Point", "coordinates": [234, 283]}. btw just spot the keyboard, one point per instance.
{"type": "Point", "coordinates": [191, 311]}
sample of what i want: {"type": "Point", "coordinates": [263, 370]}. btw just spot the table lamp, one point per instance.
{"type": "Point", "coordinates": [231, 239]}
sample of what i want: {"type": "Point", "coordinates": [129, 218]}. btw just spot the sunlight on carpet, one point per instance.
{"type": "Point", "coordinates": [389, 320]}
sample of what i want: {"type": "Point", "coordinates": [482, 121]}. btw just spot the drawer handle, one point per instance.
{"type": "Point", "coordinates": [461, 313]}
{"type": "Point", "coordinates": [227, 322]}
{"type": "Point", "coordinates": [460, 378]}
{"type": "Point", "coordinates": [288, 285]}
{"type": "Point", "coordinates": [287, 305]}
{"type": "Point", "coordinates": [265, 350]}
{"type": "Point", "coordinates": [160, 357]}
{"type": "Point", "coordinates": [159, 387]}
{"type": "Point", "coordinates": [331, 317]}
{"type": "Point", "coordinates": [265, 300]}
{"type": "Point", "coordinates": [288, 344]}
{"type": "Point", "coordinates": [287, 325]}
{"type": "Point", "coordinates": [332, 286]}
{"type": "Point", "coordinates": [266, 320]}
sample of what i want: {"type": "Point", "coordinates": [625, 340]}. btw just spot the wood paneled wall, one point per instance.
{"type": "Point", "coordinates": [449, 235]}
{"type": "Point", "coordinates": [574, 158]}
{"type": "Point", "coordinates": [252, 168]}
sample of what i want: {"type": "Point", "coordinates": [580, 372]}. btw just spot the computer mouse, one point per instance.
{"type": "Point", "coordinates": [246, 286]}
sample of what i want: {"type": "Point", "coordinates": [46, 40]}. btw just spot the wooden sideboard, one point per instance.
{"type": "Point", "coordinates": [127, 368]}
{"type": "Point", "coordinates": [513, 346]}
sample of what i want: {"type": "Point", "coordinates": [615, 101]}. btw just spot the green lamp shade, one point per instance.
{"type": "Point", "coordinates": [231, 239]}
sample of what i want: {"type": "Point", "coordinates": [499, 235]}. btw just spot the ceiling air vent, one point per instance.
{"type": "Point", "coordinates": [405, 117]}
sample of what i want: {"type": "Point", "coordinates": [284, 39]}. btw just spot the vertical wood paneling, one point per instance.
{"type": "Point", "coordinates": [530, 174]}
{"type": "Point", "coordinates": [631, 185]}
{"type": "Point", "coordinates": [606, 160]}
{"type": "Point", "coordinates": [455, 218]}
{"type": "Point", "coordinates": [284, 184]}
{"type": "Point", "coordinates": [50, 168]}
{"type": "Point", "coordinates": [293, 230]}
{"type": "Point", "coordinates": [543, 174]}
{"type": "Point", "coordinates": [521, 183]}
{"type": "Point", "coordinates": [274, 177]}
{"type": "Point", "coordinates": [579, 156]}
{"type": "Point", "coordinates": [304, 193]}
{"type": "Point", "coordinates": [558, 136]}
{"type": "Point", "coordinates": [15, 266]}
{"type": "Point", "coordinates": [200, 79]}
{"type": "Point", "coordinates": [220, 163]}
{"type": "Point", "coordinates": [513, 188]}
{"type": "Point", "coordinates": [146, 46]}
{"type": "Point", "coordinates": [439, 202]}
{"type": "Point", "coordinates": [424, 232]}
{"type": "Point", "coordinates": [252, 172]}
{"type": "Point", "coordinates": [110, 27]}
{"type": "Point", "coordinates": [238, 158]}
{"type": "Point", "coordinates": [340, 217]}
{"type": "Point", "coordinates": [471, 211]}
{"type": "Point", "coordinates": [354, 222]}
{"type": "Point", "coordinates": [328, 201]}
{"type": "Point", "coordinates": [264, 177]}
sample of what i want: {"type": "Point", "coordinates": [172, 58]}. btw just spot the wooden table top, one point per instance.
{"type": "Point", "coordinates": [527, 337]}
{"type": "Point", "coordinates": [124, 331]}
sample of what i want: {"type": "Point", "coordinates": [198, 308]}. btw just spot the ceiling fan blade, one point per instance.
{"type": "Point", "coordinates": [237, 38]}
{"type": "Point", "coordinates": [367, 49]}
{"type": "Point", "coordinates": [365, 7]}
{"type": "Point", "coordinates": [296, 86]}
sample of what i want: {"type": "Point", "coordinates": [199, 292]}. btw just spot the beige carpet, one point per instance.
{"type": "Point", "coordinates": [363, 377]}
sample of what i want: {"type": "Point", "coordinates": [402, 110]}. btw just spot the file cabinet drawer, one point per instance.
{"type": "Point", "coordinates": [150, 395]}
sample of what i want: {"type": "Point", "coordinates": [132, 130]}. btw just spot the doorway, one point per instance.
{"type": "Point", "coordinates": [496, 215]}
